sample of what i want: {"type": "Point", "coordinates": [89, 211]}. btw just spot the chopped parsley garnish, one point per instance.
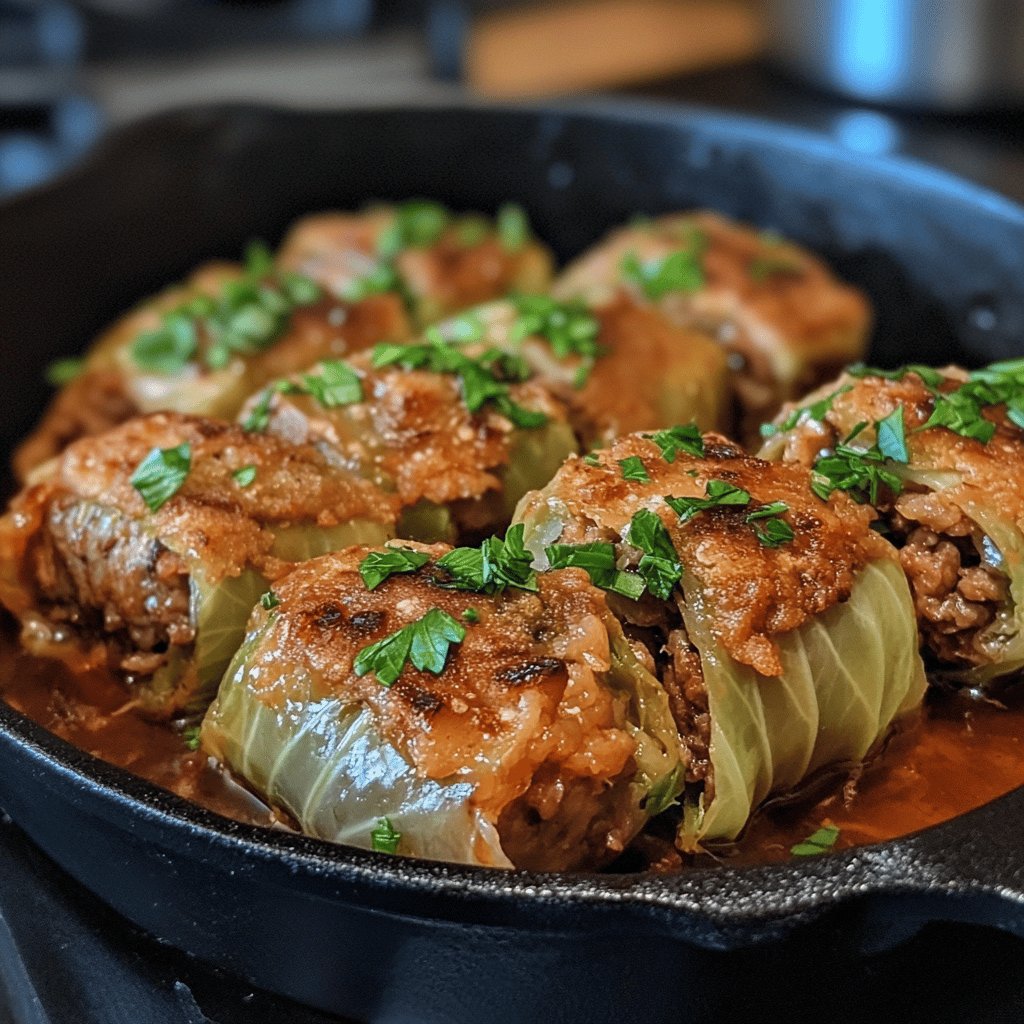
{"type": "Point", "coordinates": [821, 841]}
{"type": "Point", "coordinates": [64, 371]}
{"type": "Point", "coordinates": [458, 330]}
{"type": "Point", "coordinates": [471, 615]}
{"type": "Point", "coordinates": [680, 271]}
{"type": "Point", "coordinates": [259, 415]}
{"type": "Point", "coordinates": [483, 379]}
{"type": "Point", "coordinates": [591, 459]}
{"type": "Point", "coordinates": [598, 559]}
{"type": "Point", "coordinates": [336, 384]}
{"type": "Point", "coordinates": [247, 316]}
{"type": "Point", "coordinates": [382, 279]}
{"type": "Point", "coordinates": [681, 438]}
{"type": "Point", "coordinates": [190, 737]}
{"type": "Point", "coordinates": [377, 566]}
{"type": "Point", "coordinates": [769, 527]}
{"type": "Point", "coordinates": [268, 600]}
{"type": "Point", "coordinates": [513, 227]}
{"type": "Point", "coordinates": [498, 563]}
{"type": "Point", "coordinates": [633, 469]}
{"type": "Point", "coordinates": [861, 472]}
{"type": "Point", "coordinates": [425, 643]}
{"type": "Point", "coordinates": [568, 327]}
{"type": "Point", "coordinates": [417, 224]}
{"type": "Point", "coordinates": [891, 435]}
{"type": "Point", "coordinates": [717, 494]}
{"type": "Point", "coordinates": [159, 476]}
{"type": "Point", "coordinates": [384, 838]}
{"type": "Point", "coordinates": [815, 411]}
{"type": "Point", "coordinates": [660, 566]}
{"type": "Point", "coordinates": [244, 476]}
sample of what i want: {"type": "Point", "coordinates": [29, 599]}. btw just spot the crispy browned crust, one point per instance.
{"type": "Point", "coordinates": [337, 249]}
{"type": "Point", "coordinates": [786, 332]}
{"type": "Point", "coordinates": [412, 434]}
{"type": "Point", "coordinates": [934, 521]}
{"type": "Point", "coordinates": [520, 709]}
{"type": "Point", "coordinates": [752, 592]}
{"type": "Point", "coordinates": [90, 404]}
{"type": "Point", "coordinates": [211, 520]}
{"type": "Point", "coordinates": [991, 473]}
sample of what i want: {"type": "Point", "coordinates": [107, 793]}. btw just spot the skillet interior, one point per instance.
{"type": "Point", "coordinates": [333, 927]}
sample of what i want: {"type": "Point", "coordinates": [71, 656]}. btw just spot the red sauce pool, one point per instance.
{"type": "Point", "coordinates": [965, 753]}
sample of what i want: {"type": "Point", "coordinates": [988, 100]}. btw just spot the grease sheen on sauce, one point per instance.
{"type": "Point", "coordinates": [964, 753]}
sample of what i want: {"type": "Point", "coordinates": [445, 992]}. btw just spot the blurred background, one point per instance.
{"type": "Point", "coordinates": [942, 80]}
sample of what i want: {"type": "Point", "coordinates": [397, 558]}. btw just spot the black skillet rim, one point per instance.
{"type": "Point", "coordinates": [708, 906]}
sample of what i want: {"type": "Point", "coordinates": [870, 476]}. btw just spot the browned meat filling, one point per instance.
{"type": "Point", "coordinates": [101, 572]}
{"type": "Point", "coordinates": [561, 822]}
{"type": "Point", "coordinates": [683, 679]}
{"type": "Point", "coordinates": [956, 594]}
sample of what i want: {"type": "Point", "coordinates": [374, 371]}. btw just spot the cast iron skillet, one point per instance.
{"type": "Point", "coordinates": [389, 938]}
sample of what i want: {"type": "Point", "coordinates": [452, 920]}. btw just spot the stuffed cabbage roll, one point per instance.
{"type": "Point", "coordinates": [939, 457]}
{"type": "Point", "coordinates": [440, 261]}
{"type": "Point", "coordinates": [780, 624]}
{"type": "Point", "coordinates": [146, 547]}
{"type": "Point", "coordinates": [203, 346]}
{"type": "Point", "coordinates": [448, 704]}
{"type": "Point", "coordinates": [457, 439]}
{"type": "Point", "coordinates": [619, 368]}
{"type": "Point", "coordinates": [785, 320]}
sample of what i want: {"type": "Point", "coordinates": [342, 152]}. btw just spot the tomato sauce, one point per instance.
{"type": "Point", "coordinates": [964, 753]}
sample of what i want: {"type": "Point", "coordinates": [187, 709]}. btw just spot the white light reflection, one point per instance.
{"type": "Point", "coordinates": [866, 131]}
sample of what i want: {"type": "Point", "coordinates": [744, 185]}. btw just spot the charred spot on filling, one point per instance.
{"type": "Point", "coordinates": [329, 615]}
{"type": "Point", "coordinates": [423, 701]}
{"type": "Point", "coordinates": [528, 671]}
{"type": "Point", "coordinates": [367, 622]}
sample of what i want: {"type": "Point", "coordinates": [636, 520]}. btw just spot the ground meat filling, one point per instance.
{"type": "Point", "coordinates": [101, 573]}
{"type": "Point", "coordinates": [683, 679]}
{"type": "Point", "coordinates": [957, 594]}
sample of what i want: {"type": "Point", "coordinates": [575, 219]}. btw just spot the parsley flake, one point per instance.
{"type": "Point", "coordinates": [660, 566]}
{"type": "Point", "coordinates": [929, 376]}
{"type": "Point", "coordinates": [471, 615]}
{"type": "Point", "coordinates": [591, 459]}
{"type": "Point", "coordinates": [64, 371]}
{"type": "Point", "coordinates": [717, 494]}
{"type": "Point", "coordinates": [268, 600]}
{"type": "Point", "coordinates": [246, 316]}
{"type": "Point", "coordinates": [417, 224]}
{"type": "Point", "coordinates": [190, 737]}
{"type": "Point", "coordinates": [769, 527]}
{"type": "Point", "coordinates": [425, 643]}
{"type": "Point", "coordinates": [681, 438]}
{"type": "Point", "coordinates": [680, 271]}
{"type": "Point", "coordinates": [382, 279]}
{"type": "Point", "coordinates": [496, 564]}
{"type": "Point", "coordinates": [568, 327]}
{"type": "Point", "coordinates": [891, 434]}
{"type": "Point", "coordinates": [633, 469]}
{"type": "Point", "coordinates": [483, 379]}
{"type": "Point", "coordinates": [384, 838]}
{"type": "Point", "coordinates": [513, 227]}
{"type": "Point", "coordinates": [377, 566]}
{"type": "Point", "coordinates": [335, 384]}
{"type": "Point", "coordinates": [598, 559]}
{"type": "Point", "coordinates": [815, 411]}
{"type": "Point", "coordinates": [244, 476]}
{"type": "Point", "coordinates": [861, 472]}
{"type": "Point", "coordinates": [160, 475]}
{"type": "Point", "coordinates": [823, 840]}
